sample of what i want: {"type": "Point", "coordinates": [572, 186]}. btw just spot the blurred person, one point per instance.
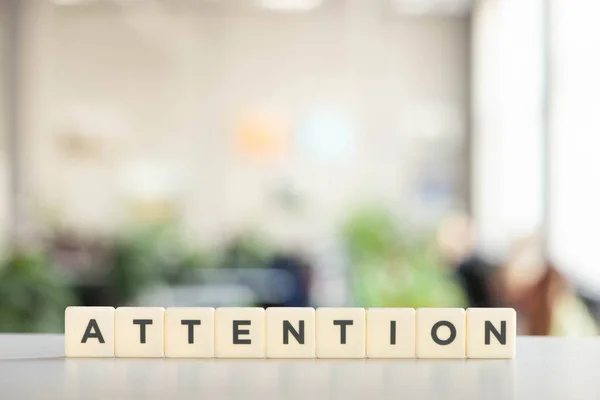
{"type": "Point", "coordinates": [456, 243]}
{"type": "Point", "coordinates": [546, 302]}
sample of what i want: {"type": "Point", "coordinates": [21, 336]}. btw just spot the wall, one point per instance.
{"type": "Point", "coordinates": [4, 203]}
{"type": "Point", "coordinates": [156, 92]}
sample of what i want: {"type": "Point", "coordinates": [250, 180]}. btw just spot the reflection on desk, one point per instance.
{"type": "Point", "coordinates": [33, 366]}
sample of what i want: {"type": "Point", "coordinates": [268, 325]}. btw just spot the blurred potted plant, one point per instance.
{"type": "Point", "coordinates": [392, 269]}
{"type": "Point", "coordinates": [114, 270]}
{"type": "Point", "coordinates": [33, 294]}
{"type": "Point", "coordinates": [151, 257]}
{"type": "Point", "coordinates": [247, 250]}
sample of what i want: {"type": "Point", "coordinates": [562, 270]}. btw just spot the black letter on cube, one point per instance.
{"type": "Point", "coordinates": [237, 332]}
{"type": "Point", "coordinates": [343, 324]}
{"type": "Point", "coordinates": [501, 336]}
{"type": "Point", "coordinates": [434, 334]}
{"type": "Point", "coordinates": [142, 323]}
{"type": "Point", "coordinates": [287, 328]}
{"type": "Point", "coordinates": [92, 335]}
{"type": "Point", "coordinates": [190, 324]}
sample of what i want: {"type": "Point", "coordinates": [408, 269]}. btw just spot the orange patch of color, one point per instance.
{"type": "Point", "coordinates": [261, 137]}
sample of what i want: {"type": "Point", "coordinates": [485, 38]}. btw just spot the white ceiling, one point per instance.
{"type": "Point", "coordinates": [403, 7]}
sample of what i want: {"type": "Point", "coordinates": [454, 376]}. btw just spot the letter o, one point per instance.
{"type": "Point", "coordinates": [435, 337]}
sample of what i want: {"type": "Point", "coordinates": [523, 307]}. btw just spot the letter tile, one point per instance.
{"type": "Point", "coordinates": [491, 332]}
{"type": "Point", "coordinates": [290, 332]}
{"type": "Point", "coordinates": [441, 333]}
{"type": "Point", "coordinates": [139, 332]}
{"type": "Point", "coordinates": [240, 332]}
{"type": "Point", "coordinates": [340, 332]}
{"type": "Point", "coordinates": [391, 333]}
{"type": "Point", "coordinates": [90, 332]}
{"type": "Point", "coordinates": [190, 332]}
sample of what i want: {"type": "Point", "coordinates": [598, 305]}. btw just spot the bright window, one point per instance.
{"type": "Point", "coordinates": [575, 132]}
{"type": "Point", "coordinates": [507, 122]}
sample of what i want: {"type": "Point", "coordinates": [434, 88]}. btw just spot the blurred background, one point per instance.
{"type": "Point", "coordinates": [372, 153]}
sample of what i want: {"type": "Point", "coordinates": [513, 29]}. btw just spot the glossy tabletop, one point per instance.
{"type": "Point", "coordinates": [34, 367]}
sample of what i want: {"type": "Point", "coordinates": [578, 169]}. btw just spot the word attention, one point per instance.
{"type": "Point", "coordinates": [203, 332]}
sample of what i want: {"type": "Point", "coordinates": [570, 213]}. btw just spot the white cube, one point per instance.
{"type": "Point", "coordinates": [90, 332]}
{"type": "Point", "coordinates": [391, 333]}
{"type": "Point", "coordinates": [441, 333]}
{"type": "Point", "coordinates": [491, 332]}
{"type": "Point", "coordinates": [190, 332]}
{"type": "Point", "coordinates": [240, 332]}
{"type": "Point", "coordinates": [139, 332]}
{"type": "Point", "coordinates": [341, 332]}
{"type": "Point", "coordinates": [290, 332]}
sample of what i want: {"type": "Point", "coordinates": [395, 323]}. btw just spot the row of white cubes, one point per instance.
{"type": "Point", "coordinates": [290, 332]}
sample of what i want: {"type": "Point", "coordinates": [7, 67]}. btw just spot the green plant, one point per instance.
{"type": "Point", "coordinates": [391, 268]}
{"type": "Point", "coordinates": [150, 256]}
{"type": "Point", "coordinates": [33, 295]}
{"type": "Point", "coordinates": [247, 250]}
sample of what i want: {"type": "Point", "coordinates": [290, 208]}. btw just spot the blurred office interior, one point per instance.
{"type": "Point", "coordinates": [372, 153]}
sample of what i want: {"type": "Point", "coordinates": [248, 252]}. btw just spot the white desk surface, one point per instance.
{"type": "Point", "coordinates": [34, 367]}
